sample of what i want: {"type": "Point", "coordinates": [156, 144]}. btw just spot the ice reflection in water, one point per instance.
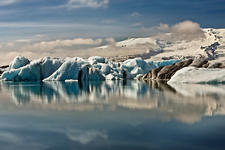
{"type": "Point", "coordinates": [183, 102]}
{"type": "Point", "coordinates": [111, 115]}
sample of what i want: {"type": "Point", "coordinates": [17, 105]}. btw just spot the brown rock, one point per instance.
{"type": "Point", "coordinates": [198, 63]}
{"type": "Point", "coordinates": [217, 65]}
{"type": "Point", "coordinates": [155, 72]}
{"type": "Point", "coordinates": [168, 71]}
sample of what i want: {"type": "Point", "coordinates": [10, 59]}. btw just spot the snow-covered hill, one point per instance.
{"type": "Point", "coordinates": [165, 46]}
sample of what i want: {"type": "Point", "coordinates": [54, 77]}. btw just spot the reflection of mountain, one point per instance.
{"type": "Point", "coordinates": [186, 103]}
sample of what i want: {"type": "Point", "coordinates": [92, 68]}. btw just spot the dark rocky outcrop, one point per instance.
{"type": "Point", "coordinates": [217, 65]}
{"type": "Point", "coordinates": [2, 69]}
{"type": "Point", "coordinates": [199, 63]}
{"type": "Point", "coordinates": [166, 72]}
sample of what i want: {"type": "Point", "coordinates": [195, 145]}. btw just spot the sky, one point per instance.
{"type": "Point", "coordinates": [27, 22]}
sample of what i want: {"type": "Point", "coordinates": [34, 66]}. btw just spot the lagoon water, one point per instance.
{"type": "Point", "coordinates": [126, 115]}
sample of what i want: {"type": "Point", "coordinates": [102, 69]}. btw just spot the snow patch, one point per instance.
{"type": "Point", "coordinates": [198, 75]}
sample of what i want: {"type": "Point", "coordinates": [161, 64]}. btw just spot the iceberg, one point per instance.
{"type": "Point", "coordinates": [198, 75]}
{"type": "Point", "coordinates": [37, 70]}
{"type": "Point", "coordinates": [92, 69]}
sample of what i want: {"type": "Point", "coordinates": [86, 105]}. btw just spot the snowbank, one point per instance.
{"type": "Point", "coordinates": [198, 75]}
{"type": "Point", "coordinates": [93, 68]}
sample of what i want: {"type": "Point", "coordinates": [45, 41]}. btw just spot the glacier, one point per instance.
{"type": "Point", "coordinates": [93, 68]}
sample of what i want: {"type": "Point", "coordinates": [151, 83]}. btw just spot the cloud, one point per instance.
{"type": "Point", "coordinates": [51, 45]}
{"type": "Point", "coordinates": [187, 27]}
{"type": "Point", "coordinates": [87, 3]}
{"type": "Point", "coordinates": [8, 2]}
{"type": "Point", "coordinates": [33, 48]}
{"type": "Point", "coordinates": [164, 27]}
{"type": "Point", "coordinates": [186, 30]}
{"type": "Point", "coordinates": [138, 24]}
{"type": "Point", "coordinates": [135, 14]}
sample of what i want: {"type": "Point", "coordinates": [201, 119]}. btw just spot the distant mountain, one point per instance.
{"type": "Point", "coordinates": [167, 46]}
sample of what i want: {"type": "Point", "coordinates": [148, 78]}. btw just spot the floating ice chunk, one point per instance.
{"type": "Point", "coordinates": [69, 70]}
{"type": "Point", "coordinates": [18, 62]}
{"type": "Point", "coordinates": [35, 71]}
{"type": "Point", "coordinates": [198, 75]}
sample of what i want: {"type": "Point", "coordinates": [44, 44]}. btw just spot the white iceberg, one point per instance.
{"type": "Point", "coordinates": [93, 68]}
{"type": "Point", "coordinates": [68, 71]}
{"type": "Point", "coordinates": [198, 75]}
{"type": "Point", "coordinates": [37, 70]}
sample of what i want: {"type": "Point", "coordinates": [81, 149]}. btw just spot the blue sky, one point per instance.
{"type": "Point", "coordinates": [102, 18]}
{"type": "Point", "coordinates": [50, 26]}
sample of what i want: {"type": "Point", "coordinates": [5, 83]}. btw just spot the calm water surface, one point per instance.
{"type": "Point", "coordinates": [111, 115]}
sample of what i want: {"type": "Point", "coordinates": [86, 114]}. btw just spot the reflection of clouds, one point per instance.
{"type": "Point", "coordinates": [85, 137]}
{"type": "Point", "coordinates": [10, 137]}
{"type": "Point", "coordinates": [11, 140]}
{"type": "Point", "coordinates": [183, 102]}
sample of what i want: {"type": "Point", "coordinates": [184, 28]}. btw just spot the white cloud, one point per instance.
{"type": "Point", "coordinates": [163, 27]}
{"type": "Point", "coordinates": [51, 45]}
{"type": "Point", "coordinates": [186, 30]}
{"type": "Point", "coordinates": [135, 14]}
{"type": "Point", "coordinates": [138, 24]}
{"type": "Point", "coordinates": [87, 3]}
{"type": "Point", "coordinates": [110, 40]}
{"type": "Point", "coordinates": [8, 2]}
{"type": "Point", "coordinates": [186, 27]}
